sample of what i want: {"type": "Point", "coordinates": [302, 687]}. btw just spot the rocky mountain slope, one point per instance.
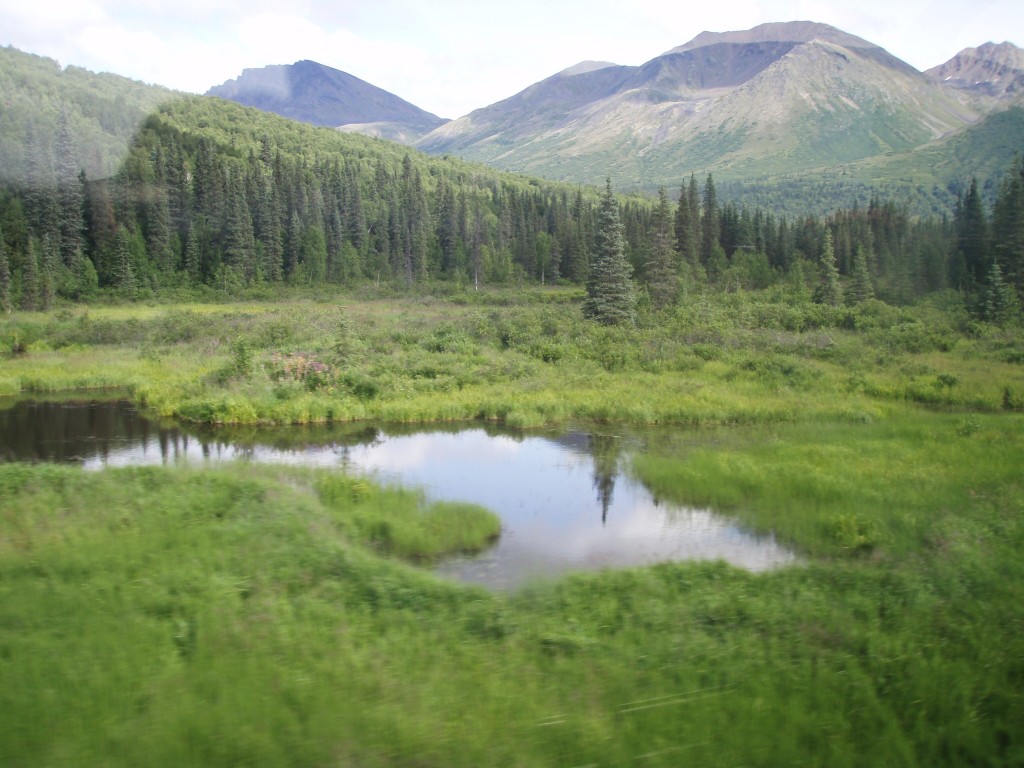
{"type": "Point", "coordinates": [991, 70]}
{"type": "Point", "coordinates": [777, 99]}
{"type": "Point", "coordinates": [319, 95]}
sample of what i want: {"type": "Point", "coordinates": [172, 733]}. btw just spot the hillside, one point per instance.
{"type": "Point", "coordinates": [102, 110]}
{"type": "Point", "coordinates": [319, 95]}
{"type": "Point", "coordinates": [777, 100]}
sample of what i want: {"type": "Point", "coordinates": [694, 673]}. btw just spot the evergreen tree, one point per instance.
{"type": "Point", "coordinates": [193, 255]}
{"type": "Point", "coordinates": [710, 222]}
{"type": "Point", "coordinates": [30, 279]}
{"type": "Point", "coordinates": [999, 301]}
{"type": "Point", "coordinates": [476, 247]}
{"type": "Point", "coordinates": [239, 242]}
{"type": "Point", "coordinates": [41, 204]}
{"type": "Point", "coordinates": [972, 237]}
{"type": "Point", "coordinates": [5, 277]}
{"type": "Point", "coordinates": [660, 272]}
{"type": "Point", "coordinates": [860, 286]}
{"type": "Point", "coordinates": [49, 260]}
{"type": "Point", "coordinates": [1008, 227]}
{"type": "Point", "coordinates": [70, 193]}
{"type": "Point", "coordinates": [355, 216]}
{"type": "Point", "coordinates": [577, 266]}
{"type": "Point", "coordinates": [157, 217]}
{"type": "Point", "coordinates": [797, 284]}
{"type": "Point", "coordinates": [293, 247]}
{"type": "Point", "coordinates": [124, 271]}
{"type": "Point", "coordinates": [686, 225]}
{"type": "Point", "coordinates": [829, 290]}
{"type": "Point", "coordinates": [610, 299]}
{"type": "Point", "coordinates": [447, 226]}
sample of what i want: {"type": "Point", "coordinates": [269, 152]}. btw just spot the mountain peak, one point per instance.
{"type": "Point", "coordinates": [584, 67]}
{"type": "Point", "coordinates": [315, 93]}
{"type": "Point", "coordinates": [777, 32]}
{"type": "Point", "coordinates": [992, 69]}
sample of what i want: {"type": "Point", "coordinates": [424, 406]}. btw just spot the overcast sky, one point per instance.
{"type": "Point", "coordinates": [452, 56]}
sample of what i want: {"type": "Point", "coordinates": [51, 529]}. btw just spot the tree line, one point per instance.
{"type": "Point", "coordinates": [202, 199]}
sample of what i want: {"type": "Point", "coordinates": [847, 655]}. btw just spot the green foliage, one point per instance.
{"type": "Point", "coordinates": [829, 290]}
{"type": "Point", "coordinates": [860, 286]}
{"type": "Point", "coordinates": [999, 302]}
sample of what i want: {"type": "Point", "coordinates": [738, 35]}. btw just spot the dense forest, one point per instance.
{"type": "Point", "coordinates": [215, 195]}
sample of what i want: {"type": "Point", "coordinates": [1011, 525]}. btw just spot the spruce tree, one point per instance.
{"type": "Point", "coordinates": [660, 271]}
{"type": "Point", "coordinates": [193, 255]}
{"type": "Point", "coordinates": [5, 278]}
{"type": "Point", "coordinates": [860, 287]}
{"type": "Point", "coordinates": [239, 241]}
{"type": "Point", "coordinates": [70, 193]}
{"type": "Point", "coordinates": [49, 260]}
{"type": "Point", "coordinates": [972, 236]}
{"type": "Point", "coordinates": [686, 224]}
{"type": "Point", "coordinates": [829, 291]}
{"type": "Point", "coordinates": [999, 301]}
{"type": "Point", "coordinates": [710, 222]}
{"type": "Point", "coordinates": [610, 299]}
{"type": "Point", "coordinates": [124, 272]}
{"type": "Point", "coordinates": [30, 279]}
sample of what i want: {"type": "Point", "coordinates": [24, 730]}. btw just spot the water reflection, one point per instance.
{"type": "Point", "coordinates": [565, 501]}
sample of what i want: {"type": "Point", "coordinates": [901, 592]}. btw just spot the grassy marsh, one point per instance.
{"type": "Point", "coordinates": [276, 616]}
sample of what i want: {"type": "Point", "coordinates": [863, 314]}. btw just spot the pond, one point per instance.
{"type": "Point", "coordinates": [566, 499]}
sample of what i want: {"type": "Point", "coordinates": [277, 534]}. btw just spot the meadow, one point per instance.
{"type": "Point", "coordinates": [281, 616]}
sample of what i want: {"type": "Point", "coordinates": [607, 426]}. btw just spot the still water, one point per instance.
{"type": "Point", "coordinates": [566, 499]}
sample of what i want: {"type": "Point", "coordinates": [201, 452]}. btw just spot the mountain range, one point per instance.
{"type": "Point", "coordinates": [788, 101]}
{"type": "Point", "coordinates": [776, 99]}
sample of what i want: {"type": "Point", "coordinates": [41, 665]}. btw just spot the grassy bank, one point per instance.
{"type": "Point", "coordinates": [527, 359]}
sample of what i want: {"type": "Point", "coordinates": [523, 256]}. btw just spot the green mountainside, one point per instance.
{"type": "Point", "coordinates": [103, 110]}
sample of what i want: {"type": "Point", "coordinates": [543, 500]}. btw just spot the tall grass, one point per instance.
{"type": "Point", "coordinates": [720, 360]}
{"type": "Point", "coordinates": [251, 615]}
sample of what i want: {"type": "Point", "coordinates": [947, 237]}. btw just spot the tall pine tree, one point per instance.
{"type": "Point", "coordinates": [610, 298]}
{"type": "Point", "coordinates": [5, 277]}
{"type": "Point", "coordinates": [829, 290]}
{"type": "Point", "coordinates": [660, 272]}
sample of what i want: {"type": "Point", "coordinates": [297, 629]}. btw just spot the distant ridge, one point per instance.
{"type": "Point", "coordinates": [995, 70]}
{"type": "Point", "coordinates": [777, 32]}
{"type": "Point", "coordinates": [319, 95]}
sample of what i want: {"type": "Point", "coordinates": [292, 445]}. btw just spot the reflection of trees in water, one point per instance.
{"type": "Point", "coordinates": [76, 431]}
{"type": "Point", "coordinates": [606, 450]}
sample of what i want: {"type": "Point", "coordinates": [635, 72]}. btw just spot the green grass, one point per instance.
{"type": "Point", "coordinates": [276, 616]}
{"type": "Point", "coordinates": [252, 615]}
{"type": "Point", "coordinates": [528, 360]}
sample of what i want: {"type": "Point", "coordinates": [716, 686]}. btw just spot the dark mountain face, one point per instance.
{"type": "Point", "coordinates": [319, 95]}
{"type": "Point", "coordinates": [719, 65]}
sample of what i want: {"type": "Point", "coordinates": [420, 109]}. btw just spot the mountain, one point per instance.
{"type": "Point", "coordinates": [319, 95]}
{"type": "Point", "coordinates": [991, 70]}
{"type": "Point", "coordinates": [781, 98]}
